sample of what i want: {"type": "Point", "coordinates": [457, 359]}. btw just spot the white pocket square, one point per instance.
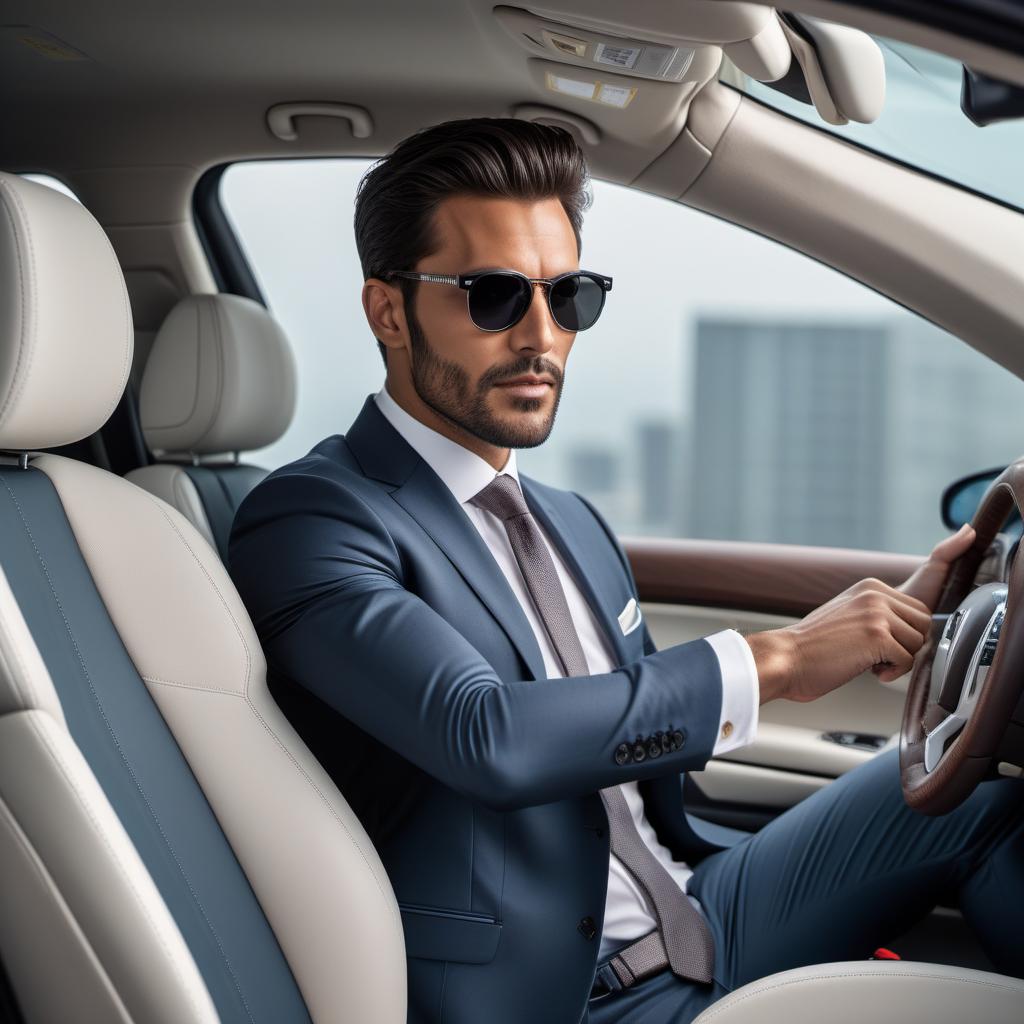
{"type": "Point", "coordinates": [630, 617]}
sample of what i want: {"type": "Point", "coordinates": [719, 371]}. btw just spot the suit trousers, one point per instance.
{"type": "Point", "coordinates": [843, 872]}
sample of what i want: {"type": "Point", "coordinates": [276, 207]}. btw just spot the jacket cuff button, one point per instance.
{"type": "Point", "coordinates": [623, 754]}
{"type": "Point", "coordinates": [677, 740]}
{"type": "Point", "coordinates": [653, 747]}
{"type": "Point", "coordinates": [639, 751]}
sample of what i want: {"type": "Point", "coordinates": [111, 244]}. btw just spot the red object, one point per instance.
{"type": "Point", "coordinates": [885, 954]}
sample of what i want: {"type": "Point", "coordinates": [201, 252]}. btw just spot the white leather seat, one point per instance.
{"type": "Point", "coordinates": [220, 380]}
{"type": "Point", "coordinates": [169, 849]}
{"type": "Point", "coordinates": [875, 990]}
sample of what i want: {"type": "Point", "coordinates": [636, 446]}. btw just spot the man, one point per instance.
{"type": "Point", "coordinates": [463, 649]}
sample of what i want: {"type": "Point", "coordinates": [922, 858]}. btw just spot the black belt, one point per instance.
{"type": "Point", "coordinates": [626, 966]}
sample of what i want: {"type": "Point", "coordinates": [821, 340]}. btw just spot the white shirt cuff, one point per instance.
{"type": "Point", "coordinates": [741, 694]}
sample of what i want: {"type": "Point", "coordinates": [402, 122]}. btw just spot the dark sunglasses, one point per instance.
{"type": "Point", "coordinates": [499, 299]}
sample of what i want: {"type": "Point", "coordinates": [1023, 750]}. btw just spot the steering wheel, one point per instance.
{"type": "Point", "coordinates": [968, 679]}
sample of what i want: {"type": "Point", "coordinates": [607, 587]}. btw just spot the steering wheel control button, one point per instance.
{"type": "Point", "coordinates": [988, 650]}
{"type": "Point", "coordinates": [623, 754]}
{"type": "Point", "coordinates": [957, 655]}
{"type": "Point", "coordinates": [966, 668]}
{"type": "Point", "coordinates": [951, 626]}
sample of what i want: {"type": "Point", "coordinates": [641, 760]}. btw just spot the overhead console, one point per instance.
{"type": "Point", "coordinates": [592, 57]}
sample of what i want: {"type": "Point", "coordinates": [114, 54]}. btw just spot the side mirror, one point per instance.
{"type": "Point", "coordinates": [986, 100]}
{"type": "Point", "coordinates": [961, 498]}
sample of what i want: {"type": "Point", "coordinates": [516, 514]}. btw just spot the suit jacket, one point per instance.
{"type": "Point", "coordinates": [400, 653]}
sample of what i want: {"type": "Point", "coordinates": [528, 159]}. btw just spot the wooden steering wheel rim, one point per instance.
{"type": "Point", "coordinates": [967, 759]}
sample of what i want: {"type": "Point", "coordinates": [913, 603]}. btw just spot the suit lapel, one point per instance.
{"type": "Point", "coordinates": [598, 586]}
{"type": "Point", "coordinates": [385, 455]}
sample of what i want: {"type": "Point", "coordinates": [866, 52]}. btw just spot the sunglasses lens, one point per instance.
{"type": "Point", "coordinates": [576, 302]}
{"type": "Point", "coordinates": [497, 301]}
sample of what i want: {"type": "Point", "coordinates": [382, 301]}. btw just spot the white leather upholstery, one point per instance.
{"type": "Point", "coordinates": [171, 483]}
{"type": "Point", "coordinates": [65, 323]}
{"type": "Point", "coordinates": [312, 867]}
{"type": "Point", "coordinates": [220, 378]}
{"type": "Point", "coordinates": [83, 932]}
{"type": "Point", "coordinates": [85, 935]}
{"type": "Point", "coordinates": [24, 682]}
{"type": "Point", "coordinates": [855, 992]}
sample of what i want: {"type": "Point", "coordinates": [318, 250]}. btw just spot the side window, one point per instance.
{"type": "Point", "coordinates": [293, 220]}
{"type": "Point", "coordinates": [733, 389]}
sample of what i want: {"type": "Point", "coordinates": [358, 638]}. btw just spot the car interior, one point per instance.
{"type": "Point", "coordinates": [170, 849]}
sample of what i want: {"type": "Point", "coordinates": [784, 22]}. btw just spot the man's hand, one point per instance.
{"type": "Point", "coordinates": [869, 626]}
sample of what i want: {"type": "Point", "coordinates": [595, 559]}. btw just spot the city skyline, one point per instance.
{"type": "Point", "coordinates": [633, 374]}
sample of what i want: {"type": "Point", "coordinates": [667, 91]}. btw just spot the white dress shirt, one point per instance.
{"type": "Point", "coordinates": [627, 914]}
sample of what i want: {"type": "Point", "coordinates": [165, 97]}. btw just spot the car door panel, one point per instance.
{"type": "Point", "coordinates": [691, 588]}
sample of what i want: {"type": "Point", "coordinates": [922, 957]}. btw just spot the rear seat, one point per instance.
{"type": "Point", "coordinates": [170, 849]}
{"type": "Point", "coordinates": [220, 380]}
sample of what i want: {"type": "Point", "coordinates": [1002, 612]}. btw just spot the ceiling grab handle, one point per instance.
{"type": "Point", "coordinates": [281, 118]}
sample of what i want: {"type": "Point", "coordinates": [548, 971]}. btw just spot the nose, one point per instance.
{"type": "Point", "coordinates": [537, 331]}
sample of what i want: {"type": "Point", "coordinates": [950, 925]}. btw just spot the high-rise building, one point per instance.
{"type": "Point", "coordinates": [840, 434]}
{"type": "Point", "coordinates": [951, 412]}
{"type": "Point", "coordinates": [788, 431]}
{"type": "Point", "coordinates": [661, 464]}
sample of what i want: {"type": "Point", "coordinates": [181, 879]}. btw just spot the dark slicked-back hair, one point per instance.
{"type": "Point", "coordinates": [483, 156]}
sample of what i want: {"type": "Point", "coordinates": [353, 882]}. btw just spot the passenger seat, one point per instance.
{"type": "Point", "coordinates": [220, 380]}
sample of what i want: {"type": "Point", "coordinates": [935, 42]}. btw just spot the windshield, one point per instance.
{"type": "Point", "coordinates": [921, 124]}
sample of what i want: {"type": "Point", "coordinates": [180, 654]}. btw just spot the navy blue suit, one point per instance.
{"type": "Point", "coordinates": [398, 650]}
{"type": "Point", "coordinates": [396, 646]}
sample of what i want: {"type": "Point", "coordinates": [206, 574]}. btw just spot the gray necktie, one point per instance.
{"type": "Point", "coordinates": [686, 936]}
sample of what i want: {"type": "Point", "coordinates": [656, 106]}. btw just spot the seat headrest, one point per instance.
{"type": "Point", "coordinates": [65, 323]}
{"type": "Point", "coordinates": [220, 378]}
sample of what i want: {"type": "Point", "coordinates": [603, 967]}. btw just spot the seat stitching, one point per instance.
{"type": "Point", "coordinates": [297, 765]}
{"type": "Point", "coordinates": [17, 669]}
{"type": "Point", "coordinates": [718, 1009]}
{"type": "Point", "coordinates": [38, 867]}
{"type": "Point", "coordinates": [219, 350]}
{"type": "Point", "coordinates": [128, 341]}
{"type": "Point", "coordinates": [129, 345]}
{"type": "Point", "coordinates": [316, 789]}
{"type": "Point", "coordinates": [190, 686]}
{"type": "Point", "coordinates": [182, 499]}
{"type": "Point", "coordinates": [65, 770]}
{"type": "Point", "coordinates": [248, 676]}
{"type": "Point", "coordinates": [23, 347]}
{"type": "Point", "coordinates": [124, 758]}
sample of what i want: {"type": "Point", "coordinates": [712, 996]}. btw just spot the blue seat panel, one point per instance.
{"type": "Point", "coordinates": [120, 731]}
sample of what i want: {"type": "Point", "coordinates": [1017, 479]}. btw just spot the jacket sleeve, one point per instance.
{"type": "Point", "coordinates": [323, 582]}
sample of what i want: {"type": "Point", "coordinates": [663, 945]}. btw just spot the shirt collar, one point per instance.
{"type": "Point", "coordinates": [464, 473]}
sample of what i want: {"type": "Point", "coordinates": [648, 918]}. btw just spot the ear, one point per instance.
{"type": "Point", "coordinates": [385, 312]}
